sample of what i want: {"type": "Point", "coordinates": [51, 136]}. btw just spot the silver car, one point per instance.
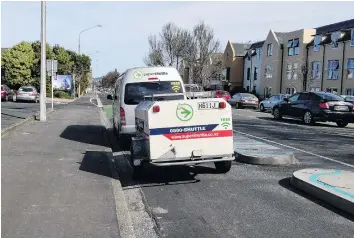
{"type": "Point", "coordinates": [27, 93]}
{"type": "Point", "coordinates": [268, 103]}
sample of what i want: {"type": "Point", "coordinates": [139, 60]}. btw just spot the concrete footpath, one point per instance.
{"type": "Point", "coordinates": [335, 187]}
{"type": "Point", "coordinates": [256, 152]}
{"type": "Point", "coordinates": [55, 178]}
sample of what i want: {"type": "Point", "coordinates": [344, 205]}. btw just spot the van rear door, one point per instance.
{"type": "Point", "coordinates": [135, 92]}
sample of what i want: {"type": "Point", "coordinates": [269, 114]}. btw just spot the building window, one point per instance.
{"type": "Point", "coordinates": [315, 89]}
{"type": "Point", "coordinates": [227, 55]}
{"type": "Point", "coordinates": [295, 70]}
{"type": "Point", "coordinates": [255, 76]}
{"type": "Point", "coordinates": [228, 74]}
{"type": "Point", "coordinates": [332, 90]}
{"type": "Point", "coordinates": [290, 47]}
{"type": "Point", "coordinates": [333, 69]}
{"type": "Point", "coordinates": [254, 88]}
{"type": "Point", "coordinates": [269, 49]}
{"type": "Point", "coordinates": [316, 43]}
{"type": "Point", "coordinates": [248, 88]}
{"type": "Point", "coordinates": [296, 46]}
{"type": "Point", "coordinates": [267, 92]}
{"type": "Point", "coordinates": [258, 52]}
{"type": "Point", "coordinates": [334, 38]}
{"type": "Point", "coordinates": [268, 71]}
{"type": "Point", "coordinates": [350, 69]}
{"type": "Point", "coordinates": [350, 91]}
{"type": "Point", "coordinates": [290, 91]}
{"type": "Point", "coordinates": [352, 38]}
{"type": "Point", "coordinates": [289, 71]}
{"type": "Point", "coordinates": [316, 70]}
{"type": "Point", "coordinates": [293, 47]}
{"type": "Point", "coordinates": [248, 73]}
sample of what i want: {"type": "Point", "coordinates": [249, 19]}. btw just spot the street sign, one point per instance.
{"type": "Point", "coordinates": [52, 65]}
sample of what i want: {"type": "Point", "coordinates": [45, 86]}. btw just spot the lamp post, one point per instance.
{"type": "Point", "coordinates": [84, 31]}
{"type": "Point", "coordinates": [42, 106]}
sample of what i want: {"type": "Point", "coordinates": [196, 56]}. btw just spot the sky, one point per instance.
{"type": "Point", "coordinates": [122, 41]}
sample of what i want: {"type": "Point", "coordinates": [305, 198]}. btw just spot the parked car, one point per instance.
{"type": "Point", "coordinates": [242, 100]}
{"type": "Point", "coordinates": [315, 106]}
{"type": "Point", "coordinates": [268, 103]}
{"type": "Point", "coordinates": [6, 93]}
{"type": "Point", "coordinates": [221, 94]}
{"type": "Point", "coordinates": [348, 98]}
{"type": "Point", "coordinates": [27, 93]}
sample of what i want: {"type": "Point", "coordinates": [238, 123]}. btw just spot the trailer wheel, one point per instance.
{"type": "Point", "coordinates": [223, 166]}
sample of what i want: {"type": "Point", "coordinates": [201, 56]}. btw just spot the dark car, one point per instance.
{"type": "Point", "coordinates": [315, 106]}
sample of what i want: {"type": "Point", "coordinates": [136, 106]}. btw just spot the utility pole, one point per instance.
{"type": "Point", "coordinates": [43, 109]}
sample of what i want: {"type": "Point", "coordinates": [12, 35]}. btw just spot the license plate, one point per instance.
{"type": "Point", "coordinates": [208, 105]}
{"type": "Point", "coordinates": [341, 108]}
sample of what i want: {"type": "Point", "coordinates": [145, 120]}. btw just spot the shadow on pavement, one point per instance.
{"type": "Point", "coordinates": [5, 114]}
{"type": "Point", "coordinates": [96, 162]}
{"type": "Point", "coordinates": [89, 134]}
{"type": "Point", "coordinates": [153, 175]}
{"type": "Point", "coordinates": [285, 183]}
{"type": "Point", "coordinates": [299, 122]}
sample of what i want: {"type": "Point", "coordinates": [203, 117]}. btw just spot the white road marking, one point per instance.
{"type": "Point", "coordinates": [294, 148]}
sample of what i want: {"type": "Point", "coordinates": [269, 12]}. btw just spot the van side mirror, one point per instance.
{"type": "Point", "coordinates": [109, 96]}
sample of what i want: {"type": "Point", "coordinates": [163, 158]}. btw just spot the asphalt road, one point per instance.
{"type": "Point", "coordinates": [250, 200]}
{"type": "Point", "coordinates": [14, 112]}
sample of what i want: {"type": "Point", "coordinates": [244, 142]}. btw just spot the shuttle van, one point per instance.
{"type": "Point", "coordinates": [138, 84]}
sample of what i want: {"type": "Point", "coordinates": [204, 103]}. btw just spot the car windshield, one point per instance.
{"type": "Point", "coordinates": [249, 96]}
{"type": "Point", "coordinates": [222, 93]}
{"type": "Point", "coordinates": [330, 97]}
{"type": "Point", "coordinates": [136, 92]}
{"type": "Point", "coordinates": [192, 89]}
{"type": "Point", "coordinates": [26, 89]}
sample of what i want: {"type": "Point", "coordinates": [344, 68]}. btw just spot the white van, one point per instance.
{"type": "Point", "coordinates": [136, 85]}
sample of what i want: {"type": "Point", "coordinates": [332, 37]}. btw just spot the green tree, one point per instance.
{"type": "Point", "coordinates": [36, 67]}
{"type": "Point", "coordinates": [110, 79]}
{"type": "Point", "coordinates": [17, 63]}
{"type": "Point", "coordinates": [65, 61]}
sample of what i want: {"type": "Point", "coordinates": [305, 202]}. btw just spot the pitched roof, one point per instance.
{"type": "Point", "coordinates": [258, 44]}
{"type": "Point", "coordinates": [280, 36]}
{"type": "Point", "coordinates": [240, 49]}
{"type": "Point", "coordinates": [335, 27]}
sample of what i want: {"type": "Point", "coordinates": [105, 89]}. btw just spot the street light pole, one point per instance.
{"type": "Point", "coordinates": [42, 111]}
{"type": "Point", "coordinates": [83, 32]}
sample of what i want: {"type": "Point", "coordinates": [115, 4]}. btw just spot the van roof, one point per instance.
{"type": "Point", "coordinates": [147, 73]}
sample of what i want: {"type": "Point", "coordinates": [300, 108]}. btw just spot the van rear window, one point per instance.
{"type": "Point", "coordinates": [135, 92]}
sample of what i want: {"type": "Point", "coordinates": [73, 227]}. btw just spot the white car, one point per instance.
{"type": "Point", "coordinates": [268, 103]}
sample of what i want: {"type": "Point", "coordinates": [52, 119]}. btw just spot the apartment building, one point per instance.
{"type": "Point", "coordinates": [293, 61]}
{"type": "Point", "coordinates": [252, 67]}
{"type": "Point", "coordinates": [331, 59]}
{"type": "Point", "coordinates": [234, 62]}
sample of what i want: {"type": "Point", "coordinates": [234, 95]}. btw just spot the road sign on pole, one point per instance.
{"type": "Point", "coordinates": [52, 69]}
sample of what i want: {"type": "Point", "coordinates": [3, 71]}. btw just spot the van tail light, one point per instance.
{"type": "Point", "coordinates": [323, 105]}
{"type": "Point", "coordinates": [156, 108]}
{"type": "Point", "coordinates": [222, 105]}
{"type": "Point", "coordinates": [153, 78]}
{"type": "Point", "coordinates": [122, 117]}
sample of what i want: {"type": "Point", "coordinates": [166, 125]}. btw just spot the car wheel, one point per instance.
{"type": "Point", "coordinates": [276, 114]}
{"type": "Point", "coordinates": [307, 118]}
{"type": "Point", "coordinates": [341, 123]}
{"type": "Point", "coordinates": [261, 108]}
{"type": "Point", "coordinates": [223, 166]}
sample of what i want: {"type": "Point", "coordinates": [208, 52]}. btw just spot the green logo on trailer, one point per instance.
{"type": "Point", "coordinates": [184, 112]}
{"type": "Point", "coordinates": [138, 75]}
{"type": "Point", "coordinates": [225, 122]}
